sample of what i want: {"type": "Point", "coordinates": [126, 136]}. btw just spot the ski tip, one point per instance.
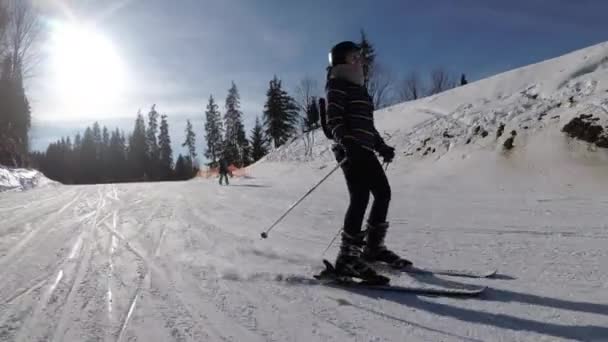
{"type": "Point", "coordinates": [478, 291]}
{"type": "Point", "coordinates": [449, 272]}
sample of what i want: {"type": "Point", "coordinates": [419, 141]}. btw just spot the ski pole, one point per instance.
{"type": "Point", "coordinates": [331, 242]}
{"type": "Point", "coordinates": [265, 234]}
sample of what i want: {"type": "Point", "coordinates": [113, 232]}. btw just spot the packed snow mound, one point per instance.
{"type": "Point", "coordinates": [500, 113]}
{"type": "Point", "coordinates": [21, 179]}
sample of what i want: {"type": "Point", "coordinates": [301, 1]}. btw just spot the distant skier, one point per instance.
{"type": "Point", "coordinates": [224, 171]}
{"type": "Point", "coordinates": [351, 123]}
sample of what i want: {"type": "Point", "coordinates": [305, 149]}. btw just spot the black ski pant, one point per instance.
{"type": "Point", "coordinates": [224, 176]}
{"type": "Point", "coordinates": [364, 175]}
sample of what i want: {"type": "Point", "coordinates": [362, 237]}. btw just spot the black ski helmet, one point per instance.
{"type": "Point", "coordinates": [338, 53]}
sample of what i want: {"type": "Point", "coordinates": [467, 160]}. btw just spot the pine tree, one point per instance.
{"type": "Point", "coordinates": [124, 170]}
{"type": "Point", "coordinates": [258, 141]}
{"type": "Point", "coordinates": [179, 167]}
{"type": "Point", "coordinates": [189, 168]}
{"type": "Point", "coordinates": [105, 137]}
{"type": "Point", "coordinates": [97, 139]}
{"type": "Point", "coordinates": [165, 151]}
{"type": "Point", "coordinates": [369, 57]}
{"type": "Point", "coordinates": [190, 141]}
{"type": "Point", "coordinates": [463, 80]}
{"type": "Point", "coordinates": [88, 157]}
{"type": "Point", "coordinates": [213, 131]}
{"type": "Point", "coordinates": [103, 154]}
{"type": "Point", "coordinates": [280, 114]}
{"type": "Point", "coordinates": [138, 148]}
{"type": "Point", "coordinates": [97, 161]}
{"type": "Point", "coordinates": [15, 118]}
{"type": "Point", "coordinates": [105, 144]}
{"type": "Point", "coordinates": [49, 164]}
{"type": "Point", "coordinates": [236, 146]}
{"type": "Point", "coordinates": [77, 141]}
{"type": "Point", "coordinates": [244, 148]}
{"type": "Point", "coordinates": [152, 152]}
{"type": "Point", "coordinates": [117, 156]}
{"type": "Point", "coordinates": [183, 168]}
{"type": "Point", "coordinates": [76, 161]}
{"type": "Point", "coordinates": [66, 154]}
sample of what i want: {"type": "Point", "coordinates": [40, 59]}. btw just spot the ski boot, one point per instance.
{"type": "Point", "coordinates": [376, 251]}
{"type": "Point", "coordinates": [349, 262]}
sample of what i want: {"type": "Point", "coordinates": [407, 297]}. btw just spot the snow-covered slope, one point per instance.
{"type": "Point", "coordinates": [21, 179]}
{"type": "Point", "coordinates": [544, 96]}
{"type": "Point", "coordinates": [183, 261]}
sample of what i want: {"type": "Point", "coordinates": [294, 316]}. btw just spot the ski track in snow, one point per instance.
{"type": "Point", "coordinates": [78, 272]}
{"type": "Point", "coordinates": [202, 281]}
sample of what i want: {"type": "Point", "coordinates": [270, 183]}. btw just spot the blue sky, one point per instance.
{"type": "Point", "coordinates": [179, 52]}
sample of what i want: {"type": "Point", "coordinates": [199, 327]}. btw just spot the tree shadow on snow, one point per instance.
{"type": "Point", "coordinates": [575, 332]}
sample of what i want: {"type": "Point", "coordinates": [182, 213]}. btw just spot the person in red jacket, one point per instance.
{"type": "Point", "coordinates": [350, 120]}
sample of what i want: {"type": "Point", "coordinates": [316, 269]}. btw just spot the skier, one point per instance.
{"type": "Point", "coordinates": [351, 123]}
{"type": "Point", "coordinates": [223, 170]}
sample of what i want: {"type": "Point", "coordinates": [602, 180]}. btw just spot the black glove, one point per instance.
{"type": "Point", "coordinates": [346, 149]}
{"type": "Point", "coordinates": [339, 152]}
{"type": "Point", "coordinates": [386, 152]}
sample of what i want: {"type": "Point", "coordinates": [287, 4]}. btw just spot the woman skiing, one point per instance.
{"type": "Point", "coordinates": [351, 123]}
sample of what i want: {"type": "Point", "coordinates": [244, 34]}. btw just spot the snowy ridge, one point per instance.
{"type": "Point", "coordinates": [21, 179]}
{"type": "Point", "coordinates": [525, 100]}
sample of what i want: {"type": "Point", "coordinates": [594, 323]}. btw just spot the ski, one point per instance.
{"type": "Point", "coordinates": [409, 289]}
{"type": "Point", "coordinates": [328, 277]}
{"type": "Point", "coordinates": [436, 271]}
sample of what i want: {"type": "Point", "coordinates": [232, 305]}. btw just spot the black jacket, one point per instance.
{"type": "Point", "coordinates": [223, 167]}
{"type": "Point", "coordinates": [350, 114]}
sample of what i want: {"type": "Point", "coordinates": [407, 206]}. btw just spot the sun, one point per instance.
{"type": "Point", "coordinates": [87, 69]}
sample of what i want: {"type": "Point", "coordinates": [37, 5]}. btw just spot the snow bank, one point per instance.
{"type": "Point", "coordinates": [498, 113]}
{"type": "Point", "coordinates": [21, 179]}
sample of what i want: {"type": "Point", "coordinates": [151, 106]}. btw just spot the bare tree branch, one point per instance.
{"type": "Point", "coordinates": [411, 87]}
{"type": "Point", "coordinates": [380, 85]}
{"type": "Point", "coordinates": [441, 80]}
{"type": "Point", "coordinates": [23, 34]}
{"type": "Point", "coordinates": [4, 22]}
{"type": "Point", "coordinates": [306, 93]}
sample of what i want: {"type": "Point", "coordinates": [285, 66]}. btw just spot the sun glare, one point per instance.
{"type": "Point", "coordinates": [86, 66]}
